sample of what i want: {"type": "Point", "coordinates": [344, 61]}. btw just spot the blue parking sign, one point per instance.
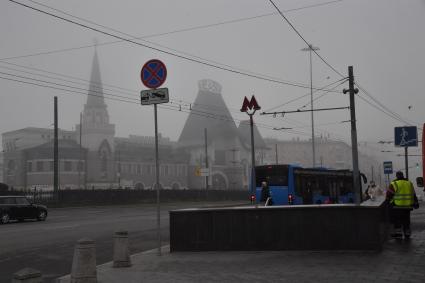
{"type": "Point", "coordinates": [388, 167]}
{"type": "Point", "coordinates": [406, 136]}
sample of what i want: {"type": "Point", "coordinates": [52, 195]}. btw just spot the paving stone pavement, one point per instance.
{"type": "Point", "coordinates": [399, 261]}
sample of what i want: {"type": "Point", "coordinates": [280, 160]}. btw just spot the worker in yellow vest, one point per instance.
{"type": "Point", "coordinates": [402, 199]}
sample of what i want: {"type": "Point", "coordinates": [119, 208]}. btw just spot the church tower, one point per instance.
{"type": "Point", "coordinates": [97, 134]}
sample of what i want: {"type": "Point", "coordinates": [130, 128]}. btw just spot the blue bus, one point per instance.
{"type": "Point", "coordinates": [292, 184]}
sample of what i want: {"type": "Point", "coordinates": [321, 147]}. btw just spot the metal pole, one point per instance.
{"type": "Point", "coordinates": [119, 169]}
{"type": "Point", "coordinates": [56, 151]}
{"type": "Point", "coordinates": [355, 153]}
{"type": "Point", "coordinates": [206, 158]}
{"type": "Point", "coordinates": [388, 180]}
{"type": "Point", "coordinates": [79, 155]}
{"type": "Point", "coordinates": [406, 162]}
{"type": "Point", "coordinates": [277, 161]}
{"type": "Point", "coordinates": [253, 185]}
{"type": "Point", "coordinates": [158, 215]}
{"type": "Point", "coordinates": [311, 107]}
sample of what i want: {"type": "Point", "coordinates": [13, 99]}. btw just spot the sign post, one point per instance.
{"type": "Point", "coordinates": [250, 107]}
{"type": "Point", "coordinates": [388, 169]}
{"type": "Point", "coordinates": [404, 137]}
{"type": "Point", "coordinates": [153, 75]}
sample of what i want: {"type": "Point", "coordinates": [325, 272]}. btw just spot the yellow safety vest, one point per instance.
{"type": "Point", "coordinates": [403, 193]}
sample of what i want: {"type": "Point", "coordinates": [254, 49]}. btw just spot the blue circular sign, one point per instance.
{"type": "Point", "coordinates": [153, 73]}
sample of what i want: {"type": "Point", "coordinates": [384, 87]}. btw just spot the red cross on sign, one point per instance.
{"type": "Point", "coordinates": [250, 104]}
{"type": "Point", "coordinates": [153, 73]}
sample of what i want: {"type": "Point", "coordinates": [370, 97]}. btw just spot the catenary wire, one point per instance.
{"type": "Point", "coordinates": [163, 33]}
{"type": "Point", "coordinates": [159, 49]}
{"type": "Point", "coordinates": [305, 95]}
{"type": "Point", "coordinates": [169, 107]}
{"type": "Point", "coordinates": [308, 44]}
{"type": "Point", "coordinates": [100, 94]}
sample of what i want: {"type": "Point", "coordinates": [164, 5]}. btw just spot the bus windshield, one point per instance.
{"type": "Point", "coordinates": [274, 175]}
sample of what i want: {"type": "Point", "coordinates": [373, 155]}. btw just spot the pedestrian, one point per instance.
{"type": "Point", "coordinates": [374, 191]}
{"type": "Point", "coordinates": [402, 199]}
{"type": "Point", "coordinates": [265, 194]}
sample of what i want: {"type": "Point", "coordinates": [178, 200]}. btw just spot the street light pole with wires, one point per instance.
{"type": "Point", "coordinates": [311, 48]}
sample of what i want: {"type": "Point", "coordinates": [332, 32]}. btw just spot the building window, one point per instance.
{"type": "Point", "coordinates": [67, 166]}
{"type": "Point", "coordinates": [29, 166]}
{"type": "Point", "coordinates": [51, 166]}
{"type": "Point", "coordinates": [40, 166]}
{"type": "Point", "coordinates": [139, 169]}
{"type": "Point", "coordinates": [11, 167]}
{"type": "Point", "coordinates": [146, 169]}
{"type": "Point", "coordinates": [80, 166]}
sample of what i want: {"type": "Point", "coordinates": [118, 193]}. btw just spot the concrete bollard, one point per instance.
{"type": "Point", "coordinates": [84, 262]}
{"type": "Point", "coordinates": [121, 252]}
{"type": "Point", "coordinates": [27, 275]}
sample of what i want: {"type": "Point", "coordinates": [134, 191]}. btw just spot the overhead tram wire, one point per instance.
{"type": "Point", "coordinates": [324, 94]}
{"type": "Point", "coordinates": [324, 88]}
{"type": "Point", "coordinates": [87, 84]}
{"type": "Point", "coordinates": [296, 122]}
{"type": "Point", "coordinates": [175, 50]}
{"type": "Point", "coordinates": [308, 44]}
{"type": "Point", "coordinates": [392, 113]}
{"type": "Point", "coordinates": [386, 113]}
{"type": "Point", "coordinates": [386, 110]}
{"type": "Point", "coordinates": [176, 101]}
{"type": "Point", "coordinates": [163, 33]}
{"type": "Point", "coordinates": [67, 86]}
{"type": "Point", "coordinates": [161, 50]}
{"type": "Point", "coordinates": [166, 107]}
{"type": "Point", "coordinates": [166, 52]}
{"type": "Point", "coordinates": [120, 89]}
{"type": "Point", "coordinates": [153, 48]}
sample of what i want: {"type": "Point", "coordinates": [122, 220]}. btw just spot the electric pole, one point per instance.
{"type": "Point", "coordinates": [277, 161]}
{"type": "Point", "coordinates": [56, 151]}
{"type": "Point", "coordinates": [354, 149]}
{"type": "Point", "coordinates": [310, 49]}
{"type": "Point", "coordinates": [206, 159]}
{"type": "Point", "coordinates": [79, 155]}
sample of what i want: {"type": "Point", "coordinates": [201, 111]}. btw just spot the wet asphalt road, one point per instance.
{"type": "Point", "coordinates": [48, 246]}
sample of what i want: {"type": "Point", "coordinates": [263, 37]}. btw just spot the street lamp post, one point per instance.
{"type": "Point", "coordinates": [311, 48]}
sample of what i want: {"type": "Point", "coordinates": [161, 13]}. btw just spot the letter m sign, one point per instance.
{"type": "Point", "coordinates": [250, 104]}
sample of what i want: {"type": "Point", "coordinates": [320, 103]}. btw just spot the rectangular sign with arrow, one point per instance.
{"type": "Point", "coordinates": [154, 96]}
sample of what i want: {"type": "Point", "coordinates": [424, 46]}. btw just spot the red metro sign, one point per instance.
{"type": "Point", "coordinates": [252, 104]}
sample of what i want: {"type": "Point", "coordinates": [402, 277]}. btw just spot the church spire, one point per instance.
{"type": "Point", "coordinates": [95, 94]}
{"type": "Point", "coordinates": [96, 128]}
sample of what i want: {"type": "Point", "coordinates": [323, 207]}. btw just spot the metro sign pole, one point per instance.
{"type": "Point", "coordinates": [253, 106]}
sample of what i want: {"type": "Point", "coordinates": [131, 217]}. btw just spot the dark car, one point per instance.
{"type": "Point", "coordinates": [19, 208]}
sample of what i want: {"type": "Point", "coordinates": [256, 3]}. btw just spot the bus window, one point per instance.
{"type": "Point", "coordinates": [274, 175]}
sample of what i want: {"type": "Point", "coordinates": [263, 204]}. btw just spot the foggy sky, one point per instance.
{"type": "Point", "coordinates": [383, 39]}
